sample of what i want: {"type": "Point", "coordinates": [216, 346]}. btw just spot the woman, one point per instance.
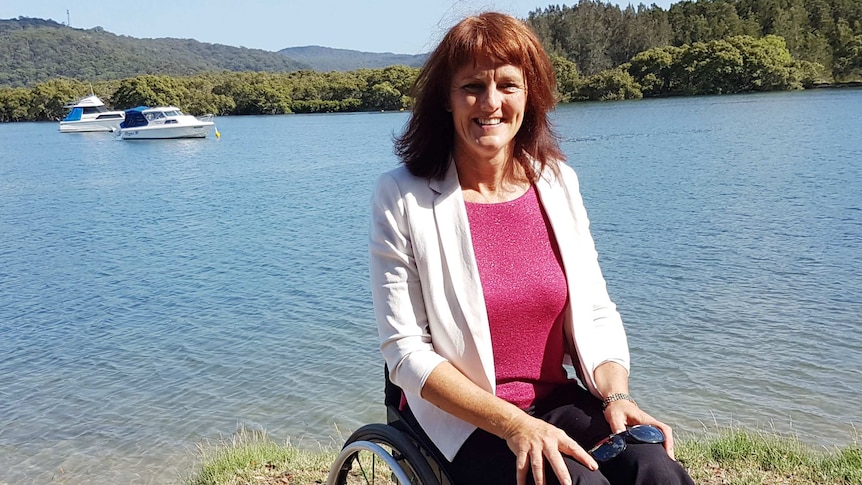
{"type": "Point", "coordinates": [486, 282]}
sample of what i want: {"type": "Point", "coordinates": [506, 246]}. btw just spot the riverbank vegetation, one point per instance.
{"type": "Point", "coordinates": [732, 456]}
{"type": "Point", "coordinates": [600, 52]}
{"type": "Point", "coordinates": [733, 65]}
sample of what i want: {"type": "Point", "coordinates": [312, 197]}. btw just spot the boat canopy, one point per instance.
{"type": "Point", "coordinates": [134, 117]}
{"type": "Point", "coordinates": [74, 115]}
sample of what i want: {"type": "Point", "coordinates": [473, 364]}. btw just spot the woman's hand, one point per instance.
{"type": "Point", "coordinates": [622, 414]}
{"type": "Point", "coordinates": [612, 378]}
{"type": "Point", "coordinates": [533, 441]}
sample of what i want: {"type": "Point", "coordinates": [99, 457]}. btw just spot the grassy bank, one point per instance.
{"type": "Point", "coordinates": [732, 457]}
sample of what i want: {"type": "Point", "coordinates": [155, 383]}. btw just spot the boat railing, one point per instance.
{"type": "Point", "coordinates": [206, 117]}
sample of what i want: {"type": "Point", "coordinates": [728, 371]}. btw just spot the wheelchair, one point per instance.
{"type": "Point", "coordinates": [398, 452]}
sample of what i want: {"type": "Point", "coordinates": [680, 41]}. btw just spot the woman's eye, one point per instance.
{"type": "Point", "coordinates": [473, 88]}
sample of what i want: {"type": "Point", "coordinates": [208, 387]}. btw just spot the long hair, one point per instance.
{"type": "Point", "coordinates": [427, 142]}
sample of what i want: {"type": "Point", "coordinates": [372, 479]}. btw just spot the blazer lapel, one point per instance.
{"type": "Point", "coordinates": [450, 215]}
{"type": "Point", "coordinates": [557, 207]}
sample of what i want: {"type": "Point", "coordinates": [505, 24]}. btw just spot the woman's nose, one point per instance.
{"type": "Point", "coordinates": [491, 98]}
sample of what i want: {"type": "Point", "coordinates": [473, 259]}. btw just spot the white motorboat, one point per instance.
{"type": "Point", "coordinates": [163, 122]}
{"type": "Point", "coordinates": [90, 114]}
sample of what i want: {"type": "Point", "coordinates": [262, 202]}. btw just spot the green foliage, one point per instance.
{"type": "Point", "coordinates": [657, 70]}
{"type": "Point", "coordinates": [758, 457]}
{"type": "Point", "coordinates": [35, 50]}
{"type": "Point", "coordinates": [567, 76]}
{"type": "Point", "coordinates": [150, 90]}
{"type": "Point", "coordinates": [226, 93]}
{"type": "Point", "coordinates": [736, 64]}
{"type": "Point", "coordinates": [848, 62]}
{"type": "Point", "coordinates": [325, 59]}
{"type": "Point", "coordinates": [598, 36]}
{"type": "Point", "coordinates": [732, 457]}
{"type": "Point", "coordinates": [48, 99]}
{"type": "Point", "coordinates": [15, 104]}
{"type": "Point", "coordinates": [696, 47]}
{"type": "Point", "coordinates": [845, 465]}
{"type": "Point", "coordinates": [252, 457]}
{"type": "Point", "coordinates": [610, 85]}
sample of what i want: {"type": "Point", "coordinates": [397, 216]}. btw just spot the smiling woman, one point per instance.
{"type": "Point", "coordinates": [487, 102]}
{"type": "Point", "coordinates": [486, 283]}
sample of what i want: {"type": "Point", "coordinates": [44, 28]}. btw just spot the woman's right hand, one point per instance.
{"type": "Point", "coordinates": [534, 441]}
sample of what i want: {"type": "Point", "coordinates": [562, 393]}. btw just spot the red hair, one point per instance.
{"type": "Point", "coordinates": [426, 144]}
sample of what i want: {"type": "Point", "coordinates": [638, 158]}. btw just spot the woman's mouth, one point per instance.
{"type": "Point", "coordinates": [488, 121]}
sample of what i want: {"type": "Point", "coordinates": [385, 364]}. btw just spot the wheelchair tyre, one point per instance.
{"type": "Point", "coordinates": [358, 463]}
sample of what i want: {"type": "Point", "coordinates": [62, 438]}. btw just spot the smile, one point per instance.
{"type": "Point", "coordinates": [489, 121]}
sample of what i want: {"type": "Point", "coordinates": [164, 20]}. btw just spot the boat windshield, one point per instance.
{"type": "Point", "coordinates": [74, 115]}
{"type": "Point", "coordinates": [88, 110]}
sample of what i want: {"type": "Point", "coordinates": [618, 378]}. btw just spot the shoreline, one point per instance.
{"type": "Point", "coordinates": [732, 456]}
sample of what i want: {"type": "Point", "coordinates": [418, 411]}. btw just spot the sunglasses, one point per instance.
{"type": "Point", "coordinates": [614, 444]}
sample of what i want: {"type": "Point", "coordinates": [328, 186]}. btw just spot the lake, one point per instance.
{"type": "Point", "coordinates": [157, 295]}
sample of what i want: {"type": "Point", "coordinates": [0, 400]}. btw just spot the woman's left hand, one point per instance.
{"type": "Point", "coordinates": [623, 414]}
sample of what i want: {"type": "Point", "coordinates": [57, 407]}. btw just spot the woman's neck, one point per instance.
{"type": "Point", "coordinates": [500, 179]}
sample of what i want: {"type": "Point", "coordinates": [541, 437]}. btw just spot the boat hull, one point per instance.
{"type": "Point", "coordinates": [198, 130]}
{"type": "Point", "coordinates": [85, 126]}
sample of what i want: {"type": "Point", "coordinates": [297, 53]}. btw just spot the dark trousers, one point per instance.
{"type": "Point", "coordinates": [486, 459]}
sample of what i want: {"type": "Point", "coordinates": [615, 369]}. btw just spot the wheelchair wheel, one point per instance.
{"type": "Point", "coordinates": [378, 454]}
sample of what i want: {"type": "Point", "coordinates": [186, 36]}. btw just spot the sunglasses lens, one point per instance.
{"type": "Point", "coordinates": [646, 434]}
{"type": "Point", "coordinates": [609, 449]}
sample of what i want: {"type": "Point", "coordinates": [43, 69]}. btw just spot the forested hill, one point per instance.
{"type": "Point", "coordinates": [35, 50]}
{"type": "Point", "coordinates": [327, 59]}
{"type": "Point", "coordinates": [597, 36]}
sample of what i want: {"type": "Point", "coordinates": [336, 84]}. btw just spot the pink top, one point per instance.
{"type": "Point", "coordinates": [525, 293]}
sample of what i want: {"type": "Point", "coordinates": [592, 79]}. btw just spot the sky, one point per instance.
{"type": "Point", "coordinates": [399, 26]}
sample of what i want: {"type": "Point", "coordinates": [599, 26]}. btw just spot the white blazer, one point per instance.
{"type": "Point", "coordinates": [428, 298]}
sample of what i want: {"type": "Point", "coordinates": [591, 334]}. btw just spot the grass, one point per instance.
{"type": "Point", "coordinates": [252, 458]}
{"type": "Point", "coordinates": [731, 457]}
{"type": "Point", "coordinates": [738, 457]}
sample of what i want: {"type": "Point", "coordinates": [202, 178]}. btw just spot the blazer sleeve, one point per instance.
{"type": "Point", "coordinates": [396, 287]}
{"type": "Point", "coordinates": [600, 336]}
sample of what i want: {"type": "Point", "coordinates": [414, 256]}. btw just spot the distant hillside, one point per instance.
{"type": "Point", "coordinates": [326, 59]}
{"type": "Point", "coordinates": [35, 50]}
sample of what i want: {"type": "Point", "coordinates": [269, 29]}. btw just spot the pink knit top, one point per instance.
{"type": "Point", "coordinates": [525, 293]}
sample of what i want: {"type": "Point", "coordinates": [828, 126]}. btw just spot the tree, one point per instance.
{"type": "Point", "coordinates": [50, 98]}
{"type": "Point", "coordinates": [613, 84]}
{"type": "Point", "coordinates": [657, 70]}
{"type": "Point", "coordinates": [383, 96]}
{"type": "Point", "coordinates": [14, 104]}
{"type": "Point", "coordinates": [848, 62]}
{"type": "Point", "coordinates": [566, 73]}
{"type": "Point", "coordinates": [149, 90]}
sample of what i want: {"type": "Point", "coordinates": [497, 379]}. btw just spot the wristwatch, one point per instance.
{"type": "Point", "coordinates": [617, 396]}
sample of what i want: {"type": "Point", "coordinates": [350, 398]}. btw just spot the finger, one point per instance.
{"type": "Point", "coordinates": [668, 441]}
{"type": "Point", "coordinates": [617, 422]}
{"type": "Point", "coordinates": [558, 465]}
{"type": "Point", "coordinates": [521, 468]}
{"type": "Point", "coordinates": [573, 449]}
{"type": "Point", "coordinates": [668, 437]}
{"type": "Point", "coordinates": [538, 465]}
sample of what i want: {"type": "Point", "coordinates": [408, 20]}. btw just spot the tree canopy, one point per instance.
{"type": "Point", "coordinates": [597, 36]}
{"type": "Point", "coordinates": [226, 93]}
{"type": "Point", "coordinates": [599, 51]}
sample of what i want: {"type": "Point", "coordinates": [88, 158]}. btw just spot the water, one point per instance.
{"type": "Point", "coordinates": [156, 295]}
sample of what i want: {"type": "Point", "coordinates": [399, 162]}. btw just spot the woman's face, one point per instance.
{"type": "Point", "coordinates": [487, 101]}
